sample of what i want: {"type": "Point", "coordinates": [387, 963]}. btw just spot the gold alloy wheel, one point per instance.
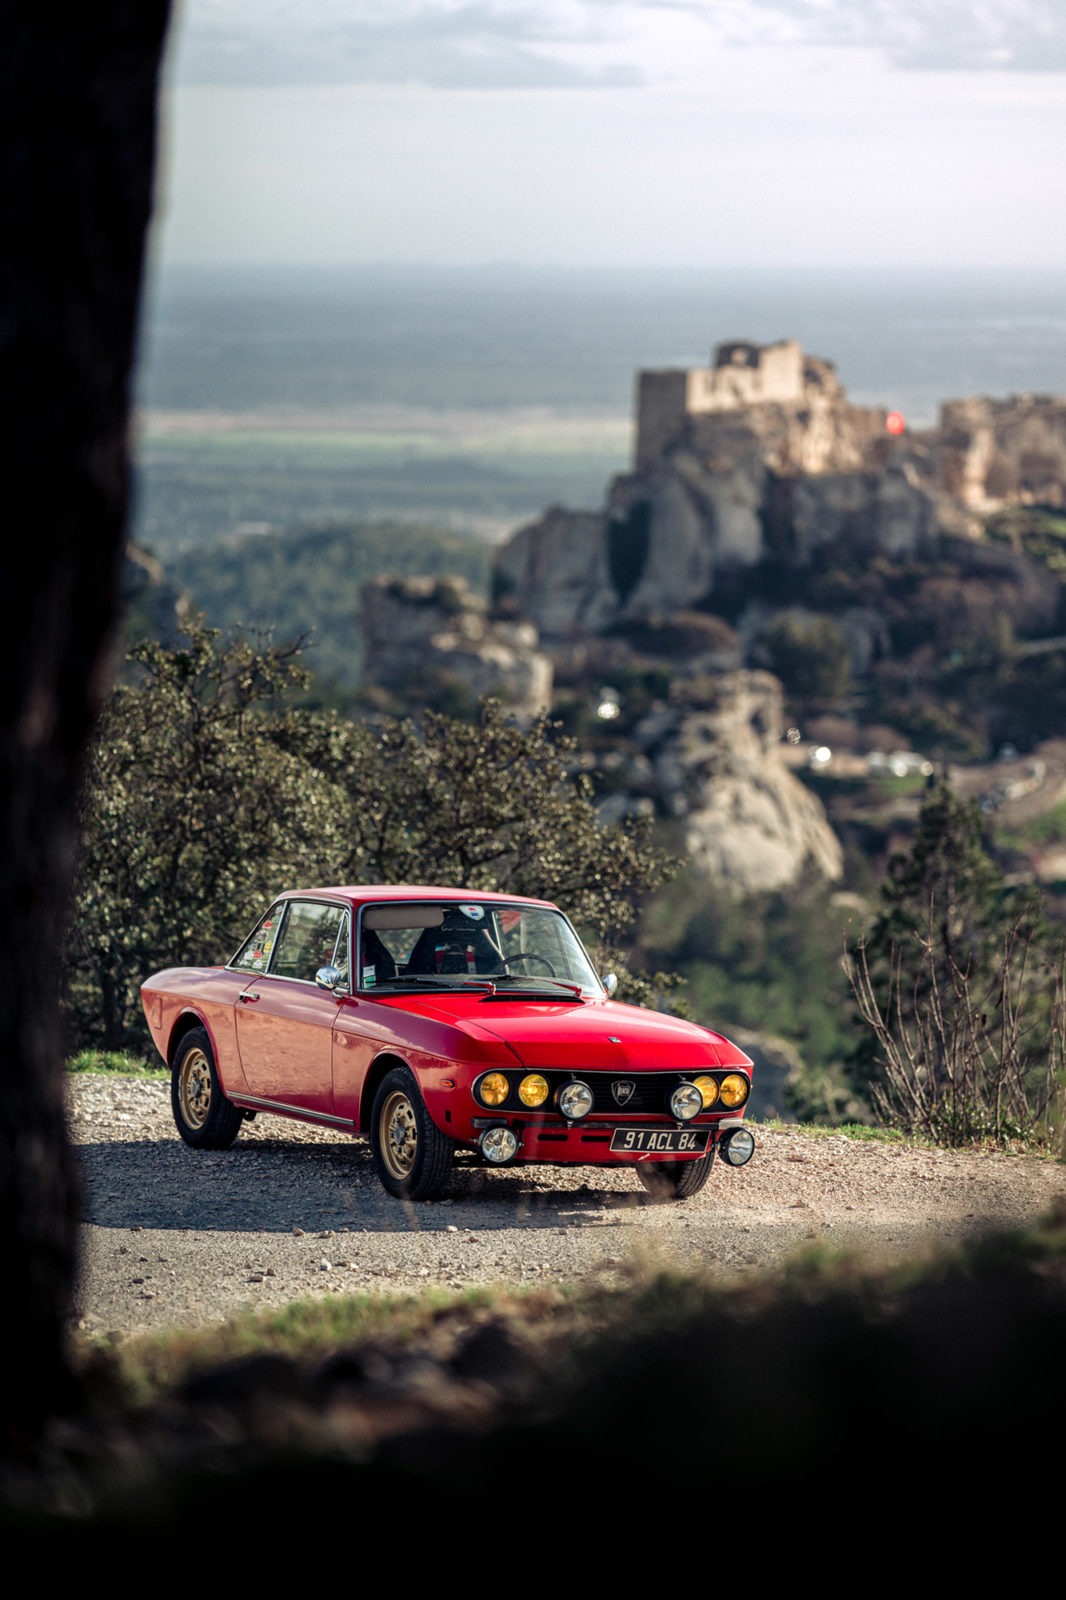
{"type": "Point", "coordinates": [398, 1135]}
{"type": "Point", "coordinates": [194, 1088]}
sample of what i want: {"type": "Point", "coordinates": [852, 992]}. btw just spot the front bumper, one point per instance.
{"type": "Point", "coordinates": [590, 1143]}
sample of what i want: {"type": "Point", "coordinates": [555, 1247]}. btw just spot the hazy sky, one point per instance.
{"type": "Point", "coordinates": [617, 132]}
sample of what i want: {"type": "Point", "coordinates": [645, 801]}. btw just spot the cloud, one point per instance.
{"type": "Point", "coordinates": [935, 35]}
{"type": "Point", "coordinates": [473, 44]}
{"type": "Point", "coordinates": [552, 44]}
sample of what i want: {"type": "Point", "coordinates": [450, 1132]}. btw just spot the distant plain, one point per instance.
{"type": "Point", "coordinates": [472, 399]}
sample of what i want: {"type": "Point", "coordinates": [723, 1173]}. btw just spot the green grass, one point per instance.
{"type": "Point", "coordinates": [144, 1368]}
{"type": "Point", "coordinates": [866, 1132]}
{"type": "Point", "coordinates": [115, 1061]}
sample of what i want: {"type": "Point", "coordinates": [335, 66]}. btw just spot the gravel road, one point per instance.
{"type": "Point", "coordinates": [175, 1236]}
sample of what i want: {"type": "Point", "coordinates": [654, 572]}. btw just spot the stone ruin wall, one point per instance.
{"type": "Point", "coordinates": [992, 452]}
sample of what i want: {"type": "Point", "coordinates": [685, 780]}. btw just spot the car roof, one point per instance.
{"type": "Point", "coordinates": [363, 893]}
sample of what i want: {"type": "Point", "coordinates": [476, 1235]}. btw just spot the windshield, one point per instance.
{"type": "Point", "coordinates": [473, 943]}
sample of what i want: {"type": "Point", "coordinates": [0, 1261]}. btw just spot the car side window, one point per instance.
{"type": "Point", "coordinates": [254, 954]}
{"type": "Point", "coordinates": [307, 941]}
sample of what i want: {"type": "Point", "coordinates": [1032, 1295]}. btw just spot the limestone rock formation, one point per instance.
{"type": "Point", "coordinates": [995, 451]}
{"type": "Point", "coordinates": [749, 823]}
{"type": "Point", "coordinates": [432, 632]}
{"type": "Point", "coordinates": [760, 457]}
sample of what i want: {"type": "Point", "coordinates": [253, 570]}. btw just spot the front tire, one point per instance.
{"type": "Point", "coordinates": [675, 1180]}
{"type": "Point", "coordinates": [412, 1157]}
{"type": "Point", "coordinates": [202, 1114]}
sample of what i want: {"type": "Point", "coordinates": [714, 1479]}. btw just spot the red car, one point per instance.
{"type": "Point", "coordinates": [432, 1020]}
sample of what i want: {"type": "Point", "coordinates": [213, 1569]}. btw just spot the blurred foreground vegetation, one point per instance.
{"type": "Point", "coordinates": [812, 1389]}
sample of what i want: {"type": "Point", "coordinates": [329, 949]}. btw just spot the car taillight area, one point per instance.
{"type": "Point", "coordinates": [575, 1095]}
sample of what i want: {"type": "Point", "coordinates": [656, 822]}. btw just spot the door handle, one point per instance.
{"type": "Point", "coordinates": [246, 999]}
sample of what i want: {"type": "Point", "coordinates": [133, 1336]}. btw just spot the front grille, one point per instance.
{"type": "Point", "coordinates": [651, 1091]}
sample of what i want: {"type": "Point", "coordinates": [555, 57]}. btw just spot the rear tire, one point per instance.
{"type": "Point", "coordinates": [675, 1180]}
{"type": "Point", "coordinates": [202, 1114]}
{"type": "Point", "coordinates": [411, 1156]}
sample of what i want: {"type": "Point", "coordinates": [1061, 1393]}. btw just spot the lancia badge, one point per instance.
{"type": "Point", "coordinates": [622, 1089]}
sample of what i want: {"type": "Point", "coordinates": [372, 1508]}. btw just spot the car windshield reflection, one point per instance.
{"type": "Point", "coordinates": [471, 943]}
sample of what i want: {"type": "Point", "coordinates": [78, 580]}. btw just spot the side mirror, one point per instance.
{"type": "Point", "coordinates": [329, 977]}
{"type": "Point", "coordinates": [610, 983]}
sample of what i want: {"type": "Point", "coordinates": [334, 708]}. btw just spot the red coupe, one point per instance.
{"type": "Point", "coordinates": [432, 1020]}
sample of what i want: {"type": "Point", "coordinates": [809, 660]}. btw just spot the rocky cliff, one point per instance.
{"type": "Point", "coordinates": [719, 488]}
{"type": "Point", "coordinates": [716, 759]}
{"type": "Point", "coordinates": [761, 459]}
{"type": "Point", "coordinates": [426, 636]}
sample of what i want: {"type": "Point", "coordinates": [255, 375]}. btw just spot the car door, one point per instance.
{"type": "Point", "coordinates": [284, 1019]}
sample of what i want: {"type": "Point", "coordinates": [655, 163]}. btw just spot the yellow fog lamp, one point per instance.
{"type": "Point", "coordinates": [493, 1089]}
{"type": "Point", "coordinates": [686, 1102]}
{"type": "Point", "coordinates": [574, 1101]}
{"type": "Point", "coordinates": [498, 1146]}
{"type": "Point", "coordinates": [708, 1088]}
{"type": "Point", "coordinates": [734, 1089]}
{"type": "Point", "coordinates": [533, 1091]}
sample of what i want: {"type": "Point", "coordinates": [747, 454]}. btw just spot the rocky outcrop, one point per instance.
{"type": "Point", "coordinates": [990, 452]}
{"type": "Point", "coordinates": [759, 458]}
{"type": "Point", "coordinates": [421, 632]}
{"type": "Point", "coordinates": [716, 758]}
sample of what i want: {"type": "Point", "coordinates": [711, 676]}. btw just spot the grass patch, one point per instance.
{"type": "Point", "coordinates": [115, 1061]}
{"type": "Point", "coordinates": [870, 1133]}
{"type": "Point", "coordinates": [142, 1370]}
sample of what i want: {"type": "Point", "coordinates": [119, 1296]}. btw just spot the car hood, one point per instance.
{"type": "Point", "coordinates": [598, 1035]}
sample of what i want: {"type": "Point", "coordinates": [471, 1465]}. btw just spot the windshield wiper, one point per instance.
{"type": "Point", "coordinates": [435, 980]}
{"type": "Point", "coordinates": [532, 983]}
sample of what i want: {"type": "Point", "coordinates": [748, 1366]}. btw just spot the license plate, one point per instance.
{"type": "Point", "coordinates": [646, 1141]}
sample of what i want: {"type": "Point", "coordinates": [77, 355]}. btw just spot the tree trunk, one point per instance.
{"type": "Point", "coordinates": [77, 110]}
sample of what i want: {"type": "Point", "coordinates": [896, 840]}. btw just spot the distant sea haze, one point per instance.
{"type": "Point", "coordinates": [509, 336]}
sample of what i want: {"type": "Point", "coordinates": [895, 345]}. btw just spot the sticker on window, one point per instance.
{"type": "Point", "coordinates": [475, 913]}
{"type": "Point", "coordinates": [370, 977]}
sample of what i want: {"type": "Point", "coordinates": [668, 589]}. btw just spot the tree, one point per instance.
{"type": "Point", "coordinates": [77, 103]}
{"type": "Point", "coordinates": [210, 793]}
{"type": "Point", "coordinates": [960, 984]}
{"type": "Point", "coordinates": [809, 654]}
{"type": "Point", "coordinates": [195, 813]}
{"type": "Point", "coordinates": [486, 804]}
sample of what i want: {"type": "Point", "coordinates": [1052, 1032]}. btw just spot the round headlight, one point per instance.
{"type": "Point", "coordinates": [734, 1089]}
{"type": "Point", "coordinates": [708, 1088]}
{"type": "Point", "coordinates": [494, 1089]}
{"type": "Point", "coordinates": [737, 1146]}
{"type": "Point", "coordinates": [686, 1102]}
{"type": "Point", "coordinates": [575, 1101]}
{"type": "Point", "coordinates": [533, 1091]}
{"type": "Point", "coordinates": [498, 1146]}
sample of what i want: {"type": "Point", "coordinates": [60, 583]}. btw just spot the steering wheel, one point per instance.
{"type": "Point", "coordinates": [530, 955]}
